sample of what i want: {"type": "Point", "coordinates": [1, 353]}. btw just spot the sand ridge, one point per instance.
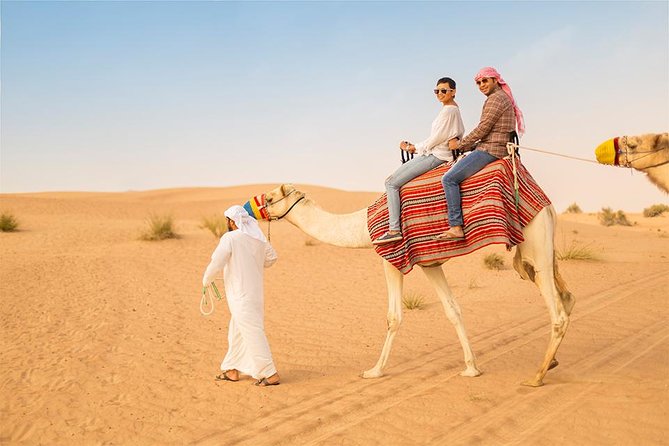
{"type": "Point", "coordinates": [103, 341]}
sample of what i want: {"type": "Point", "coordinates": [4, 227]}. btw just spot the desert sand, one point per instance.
{"type": "Point", "coordinates": [103, 341]}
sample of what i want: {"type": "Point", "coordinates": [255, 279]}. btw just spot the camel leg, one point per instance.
{"type": "Point", "coordinates": [452, 309]}
{"type": "Point", "coordinates": [535, 260]}
{"type": "Point", "coordinates": [394, 282]}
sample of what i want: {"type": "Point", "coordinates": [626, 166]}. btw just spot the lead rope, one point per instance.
{"type": "Point", "coordinates": [511, 148]}
{"type": "Point", "coordinates": [208, 294]}
{"type": "Point", "coordinates": [514, 146]}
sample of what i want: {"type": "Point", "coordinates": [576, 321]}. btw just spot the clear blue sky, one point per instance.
{"type": "Point", "coordinates": [115, 96]}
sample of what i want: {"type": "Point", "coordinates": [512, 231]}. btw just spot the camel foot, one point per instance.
{"type": "Point", "coordinates": [554, 363]}
{"type": "Point", "coordinates": [371, 374]}
{"type": "Point", "coordinates": [532, 383]}
{"type": "Point", "coordinates": [471, 372]}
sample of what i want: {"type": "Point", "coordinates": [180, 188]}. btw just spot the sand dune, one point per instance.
{"type": "Point", "coordinates": [103, 341]}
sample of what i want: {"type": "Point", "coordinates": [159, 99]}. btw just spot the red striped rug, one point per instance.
{"type": "Point", "coordinates": [488, 206]}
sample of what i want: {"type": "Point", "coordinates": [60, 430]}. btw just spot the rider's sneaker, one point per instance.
{"type": "Point", "coordinates": [388, 238]}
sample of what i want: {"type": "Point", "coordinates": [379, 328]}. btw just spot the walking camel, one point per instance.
{"type": "Point", "coordinates": [534, 260]}
{"type": "Point", "coordinates": [647, 153]}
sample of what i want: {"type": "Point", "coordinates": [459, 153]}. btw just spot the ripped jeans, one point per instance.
{"type": "Point", "coordinates": [405, 173]}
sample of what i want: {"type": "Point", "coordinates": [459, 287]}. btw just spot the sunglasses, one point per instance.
{"type": "Point", "coordinates": [485, 80]}
{"type": "Point", "coordinates": [442, 91]}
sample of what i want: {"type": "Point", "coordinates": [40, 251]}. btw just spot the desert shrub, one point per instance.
{"type": "Point", "coordinates": [8, 222]}
{"type": "Point", "coordinates": [655, 210]}
{"type": "Point", "coordinates": [493, 261]}
{"type": "Point", "coordinates": [412, 301]}
{"type": "Point", "coordinates": [576, 251]}
{"type": "Point", "coordinates": [217, 224]}
{"type": "Point", "coordinates": [160, 227]}
{"type": "Point", "coordinates": [473, 284]}
{"type": "Point", "coordinates": [609, 218]}
{"type": "Point", "coordinates": [311, 242]}
{"type": "Point", "coordinates": [573, 209]}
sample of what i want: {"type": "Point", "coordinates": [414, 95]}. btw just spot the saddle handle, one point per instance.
{"type": "Point", "coordinates": [406, 156]}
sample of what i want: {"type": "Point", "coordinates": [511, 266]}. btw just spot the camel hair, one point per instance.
{"type": "Point", "coordinates": [647, 153]}
{"type": "Point", "coordinates": [534, 260]}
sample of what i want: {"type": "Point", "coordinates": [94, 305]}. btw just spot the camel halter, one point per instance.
{"type": "Point", "coordinates": [258, 207]}
{"type": "Point", "coordinates": [621, 148]}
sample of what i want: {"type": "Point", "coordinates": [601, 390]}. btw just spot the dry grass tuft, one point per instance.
{"type": "Point", "coordinates": [311, 242]}
{"type": "Point", "coordinates": [413, 301]}
{"type": "Point", "coordinates": [576, 251]}
{"type": "Point", "coordinates": [217, 224]}
{"type": "Point", "coordinates": [473, 284]}
{"type": "Point", "coordinates": [161, 227]}
{"type": "Point", "coordinates": [493, 261]}
{"type": "Point", "coordinates": [573, 209]}
{"type": "Point", "coordinates": [609, 218]}
{"type": "Point", "coordinates": [655, 210]}
{"type": "Point", "coordinates": [8, 222]}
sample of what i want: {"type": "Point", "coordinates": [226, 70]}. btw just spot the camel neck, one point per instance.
{"type": "Point", "coordinates": [659, 175]}
{"type": "Point", "coordinates": [344, 230]}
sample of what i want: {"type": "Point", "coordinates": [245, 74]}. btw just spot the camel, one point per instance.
{"type": "Point", "coordinates": [647, 153]}
{"type": "Point", "coordinates": [534, 260]}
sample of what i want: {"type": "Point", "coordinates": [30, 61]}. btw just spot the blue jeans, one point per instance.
{"type": "Point", "coordinates": [451, 180]}
{"type": "Point", "coordinates": [405, 173]}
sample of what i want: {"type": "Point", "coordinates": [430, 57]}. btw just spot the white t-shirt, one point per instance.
{"type": "Point", "coordinates": [446, 126]}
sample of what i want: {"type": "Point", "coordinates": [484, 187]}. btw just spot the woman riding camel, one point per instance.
{"type": "Point", "coordinates": [447, 128]}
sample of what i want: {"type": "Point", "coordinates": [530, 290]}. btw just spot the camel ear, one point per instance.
{"type": "Point", "coordinates": [287, 188]}
{"type": "Point", "coordinates": [661, 141]}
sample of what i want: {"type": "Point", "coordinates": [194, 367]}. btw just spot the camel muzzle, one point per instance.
{"type": "Point", "coordinates": [609, 152]}
{"type": "Point", "coordinates": [257, 207]}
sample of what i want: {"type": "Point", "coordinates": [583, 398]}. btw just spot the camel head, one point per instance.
{"type": "Point", "coordinates": [639, 152]}
{"type": "Point", "coordinates": [278, 202]}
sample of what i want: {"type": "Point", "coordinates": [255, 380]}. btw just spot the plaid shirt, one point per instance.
{"type": "Point", "coordinates": [497, 120]}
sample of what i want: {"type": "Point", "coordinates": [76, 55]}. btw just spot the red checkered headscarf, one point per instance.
{"type": "Point", "coordinates": [491, 72]}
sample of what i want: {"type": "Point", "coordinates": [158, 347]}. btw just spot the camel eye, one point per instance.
{"type": "Point", "coordinates": [268, 200]}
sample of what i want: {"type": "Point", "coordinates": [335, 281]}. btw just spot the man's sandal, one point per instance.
{"type": "Point", "coordinates": [264, 383]}
{"type": "Point", "coordinates": [448, 235]}
{"type": "Point", "coordinates": [224, 377]}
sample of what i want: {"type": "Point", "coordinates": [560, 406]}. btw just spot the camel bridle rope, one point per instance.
{"type": "Point", "coordinates": [621, 149]}
{"type": "Point", "coordinates": [270, 218]}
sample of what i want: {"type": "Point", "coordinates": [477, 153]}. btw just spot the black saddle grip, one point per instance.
{"type": "Point", "coordinates": [406, 156]}
{"type": "Point", "coordinates": [513, 137]}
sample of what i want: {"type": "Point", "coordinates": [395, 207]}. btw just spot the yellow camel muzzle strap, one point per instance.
{"type": "Point", "coordinates": [609, 152]}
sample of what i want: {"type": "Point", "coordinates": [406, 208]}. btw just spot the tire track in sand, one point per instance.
{"type": "Point", "coordinates": [510, 421]}
{"type": "Point", "coordinates": [354, 401]}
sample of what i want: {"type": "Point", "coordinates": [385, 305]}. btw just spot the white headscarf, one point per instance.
{"type": "Point", "coordinates": [247, 224]}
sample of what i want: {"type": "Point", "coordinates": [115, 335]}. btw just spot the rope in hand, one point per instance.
{"type": "Point", "coordinates": [208, 293]}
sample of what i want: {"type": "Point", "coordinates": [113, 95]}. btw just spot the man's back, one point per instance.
{"type": "Point", "coordinates": [248, 257]}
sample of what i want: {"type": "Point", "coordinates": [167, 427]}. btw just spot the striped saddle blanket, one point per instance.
{"type": "Point", "coordinates": [488, 206]}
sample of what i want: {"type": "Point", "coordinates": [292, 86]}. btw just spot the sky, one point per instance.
{"type": "Point", "coordinates": [118, 96]}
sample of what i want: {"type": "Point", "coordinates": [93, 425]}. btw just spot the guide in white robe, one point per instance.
{"type": "Point", "coordinates": [242, 255]}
